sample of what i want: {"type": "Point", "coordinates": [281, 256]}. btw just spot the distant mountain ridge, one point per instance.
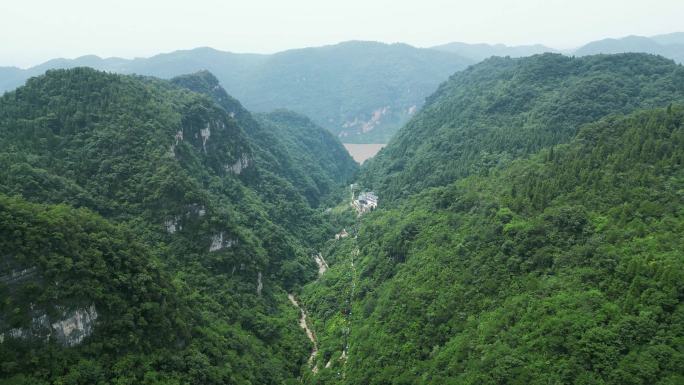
{"type": "Point", "coordinates": [361, 91]}
{"type": "Point", "coordinates": [481, 51]}
{"type": "Point", "coordinates": [670, 46]}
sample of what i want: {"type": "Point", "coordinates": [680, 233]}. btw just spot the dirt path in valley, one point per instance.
{"type": "Point", "coordinates": [304, 325]}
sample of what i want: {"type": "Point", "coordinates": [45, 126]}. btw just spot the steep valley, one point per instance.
{"type": "Point", "coordinates": [523, 227]}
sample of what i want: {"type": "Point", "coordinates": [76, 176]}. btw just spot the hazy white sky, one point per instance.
{"type": "Point", "coordinates": [32, 31]}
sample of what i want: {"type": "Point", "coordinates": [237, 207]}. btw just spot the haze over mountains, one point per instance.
{"type": "Point", "coordinates": [479, 52]}
{"type": "Point", "coordinates": [361, 91]}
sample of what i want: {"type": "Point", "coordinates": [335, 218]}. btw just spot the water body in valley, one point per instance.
{"type": "Point", "coordinates": [361, 152]}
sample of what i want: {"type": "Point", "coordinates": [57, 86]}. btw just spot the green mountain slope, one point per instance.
{"type": "Point", "coordinates": [360, 91]}
{"type": "Point", "coordinates": [209, 237]}
{"type": "Point", "coordinates": [285, 143]}
{"type": "Point", "coordinates": [502, 109]}
{"type": "Point", "coordinates": [322, 164]}
{"type": "Point", "coordinates": [564, 268]}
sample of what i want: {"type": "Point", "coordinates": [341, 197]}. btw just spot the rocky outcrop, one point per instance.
{"type": "Point", "coordinates": [236, 168]}
{"type": "Point", "coordinates": [69, 330]}
{"type": "Point", "coordinates": [260, 284]}
{"type": "Point", "coordinates": [76, 326]}
{"type": "Point", "coordinates": [322, 264]}
{"type": "Point", "coordinates": [365, 126]}
{"type": "Point", "coordinates": [195, 210]}
{"type": "Point", "coordinates": [218, 242]}
{"type": "Point", "coordinates": [205, 133]}
{"type": "Point", "coordinates": [172, 225]}
{"type": "Point", "coordinates": [16, 276]}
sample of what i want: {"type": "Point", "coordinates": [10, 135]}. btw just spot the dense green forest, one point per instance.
{"type": "Point", "coordinates": [286, 144]}
{"type": "Point", "coordinates": [529, 231]}
{"type": "Point", "coordinates": [505, 108]}
{"type": "Point", "coordinates": [565, 268]}
{"type": "Point", "coordinates": [151, 217]}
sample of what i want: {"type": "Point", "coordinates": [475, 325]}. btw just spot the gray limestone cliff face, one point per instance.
{"type": "Point", "coordinates": [76, 326]}
{"type": "Point", "coordinates": [205, 133]}
{"type": "Point", "coordinates": [260, 284]}
{"type": "Point", "coordinates": [236, 168]}
{"type": "Point", "coordinates": [18, 275]}
{"type": "Point", "coordinates": [172, 225]}
{"type": "Point", "coordinates": [218, 242]}
{"type": "Point", "coordinates": [69, 330]}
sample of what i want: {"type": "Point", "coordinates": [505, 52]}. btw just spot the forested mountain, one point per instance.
{"type": "Point", "coordinates": [670, 46]}
{"type": "Point", "coordinates": [287, 144]}
{"type": "Point", "coordinates": [360, 91]}
{"type": "Point", "coordinates": [150, 239]}
{"type": "Point", "coordinates": [479, 52]}
{"type": "Point", "coordinates": [564, 268]}
{"type": "Point", "coordinates": [528, 229]}
{"type": "Point", "coordinates": [320, 163]}
{"type": "Point", "coordinates": [504, 108]}
{"type": "Point", "coordinates": [528, 233]}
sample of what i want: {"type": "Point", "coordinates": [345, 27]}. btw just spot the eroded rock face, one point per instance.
{"type": "Point", "coordinates": [172, 225]}
{"type": "Point", "coordinates": [260, 284]}
{"type": "Point", "coordinates": [171, 153]}
{"type": "Point", "coordinates": [16, 276]}
{"type": "Point", "coordinates": [218, 242]}
{"type": "Point", "coordinates": [205, 133]}
{"type": "Point", "coordinates": [239, 165]}
{"type": "Point", "coordinates": [195, 210]}
{"type": "Point", "coordinates": [69, 330]}
{"type": "Point", "coordinates": [365, 126]}
{"type": "Point", "coordinates": [77, 325]}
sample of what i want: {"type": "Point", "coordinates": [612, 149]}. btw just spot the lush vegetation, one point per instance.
{"type": "Point", "coordinates": [339, 87]}
{"type": "Point", "coordinates": [314, 158]}
{"type": "Point", "coordinates": [286, 145]}
{"type": "Point", "coordinates": [566, 268]}
{"type": "Point", "coordinates": [503, 108]}
{"type": "Point", "coordinates": [157, 174]}
{"type": "Point", "coordinates": [529, 232]}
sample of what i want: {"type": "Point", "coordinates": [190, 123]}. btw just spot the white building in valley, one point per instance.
{"type": "Point", "coordinates": [366, 202]}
